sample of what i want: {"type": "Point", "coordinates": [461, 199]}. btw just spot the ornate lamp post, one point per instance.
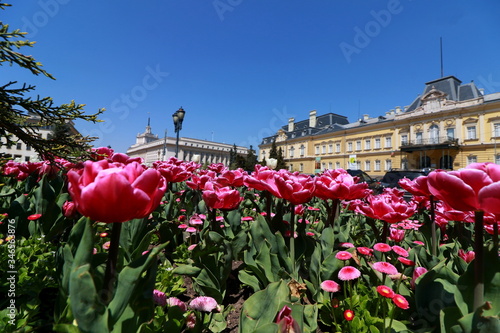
{"type": "Point", "coordinates": [178, 117]}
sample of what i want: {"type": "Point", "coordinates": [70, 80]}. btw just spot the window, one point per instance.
{"type": "Point", "coordinates": [434, 133]}
{"type": "Point", "coordinates": [19, 146]}
{"type": "Point", "coordinates": [358, 145]}
{"type": "Point", "coordinates": [368, 144]}
{"type": "Point", "coordinates": [471, 159]}
{"type": "Point", "coordinates": [323, 166]}
{"type": "Point", "coordinates": [404, 139]}
{"type": "Point", "coordinates": [367, 165]}
{"type": "Point", "coordinates": [377, 165]}
{"type": "Point", "coordinates": [419, 138]}
{"type": "Point", "coordinates": [358, 165]}
{"type": "Point", "coordinates": [292, 152]}
{"type": "Point", "coordinates": [330, 148]}
{"type": "Point", "coordinates": [28, 147]}
{"type": "Point", "coordinates": [337, 147]}
{"type": "Point", "coordinates": [471, 132]}
{"type": "Point", "coordinates": [450, 133]}
{"type": "Point", "coordinates": [388, 165]}
{"type": "Point", "coordinates": [316, 149]}
{"type": "Point", "coordinates": [330, 165]}
{"type": "Point", "coordinates": [337, 165]}
{"type": "Point", "coordinates": [301, 167]}
{"type": "Point", "coordinates": [496, 129]}
{"type": "Point", "coordinates": [388, 142]}
{"type": "Point", "coordinates": [497, 159]}
{"type": "Point", "coordinates": [377, 143]}
{"type": "Point", "coordinates": [302, 150]}
{"type": "Point", "coordinates": [349, 146]}
{"type": "Point", "coordinates": [26, 158]}
{"type": "Point", "coordinates": [323, 150]}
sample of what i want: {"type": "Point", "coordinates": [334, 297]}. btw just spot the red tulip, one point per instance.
{"type": "Point", "coordinates": [262, 179]}
{"type": "Point", "coordinates": [338, 184]}
{"type": "Point", "coordinates": [110, 192]}
{"type": "Point", "coordinates": [218, 197]}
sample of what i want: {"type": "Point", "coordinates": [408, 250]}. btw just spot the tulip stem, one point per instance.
{"type": "Point", "coordinates": [292, 239]}
{"type": "Point", "coordinates": [434, 244]}
{"type": "Point", "coordinates": [478, 261]}
{"type": "Point", "coordinates": [110, 274]}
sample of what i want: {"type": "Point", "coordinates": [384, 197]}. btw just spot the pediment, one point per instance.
{"type": "Point", "coordinates": [434, 94]}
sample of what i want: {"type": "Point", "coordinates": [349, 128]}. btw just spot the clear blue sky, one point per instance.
{"type": "Point", "coordinates": [241, 68]}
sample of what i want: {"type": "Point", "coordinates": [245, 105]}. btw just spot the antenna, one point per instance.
{"type": "Point", "coordinates": [441, 53]}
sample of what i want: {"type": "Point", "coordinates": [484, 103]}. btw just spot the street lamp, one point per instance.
{"type": "Point", "coordinates": [178, 117]}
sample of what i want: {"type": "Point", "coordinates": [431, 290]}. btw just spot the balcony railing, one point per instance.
{"type": "Point", "coordinates": [431, 141]}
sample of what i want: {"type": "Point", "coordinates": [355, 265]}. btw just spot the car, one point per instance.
{"type": "Point", "coordinates": [364, 177]}
{"type": "Point", "coordinates": [393, 176]}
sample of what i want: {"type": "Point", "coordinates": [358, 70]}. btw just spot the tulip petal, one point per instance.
{"type": "Point", "coordinates": [452, 190]}
{"type": "Point", "coordinates": [489, 198]}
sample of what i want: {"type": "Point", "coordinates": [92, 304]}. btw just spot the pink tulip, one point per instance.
{"type": "Point", "coordinates": [286, 322]}
{"type": "Point", "coordinates": [338, 184]}
{"type": "Point", "coordinates": [218, 197]}
{"type": "Point", "coordinates": [199, 179]}
{"type": "Point", "coordinates": [109, 193]}
{"type": "Point", "coordinates": [295, 187]}
{"type": "Point", "coordinates": [478, 186]}
{"type": "Point", "coordinates": [175, 170]}
{"type": "Point", "coordinates": [417, 186]}
{"type": "Point", "coordinates": [232, 178]}
{"type": "Point", "coordinates": [69, 209]}
{"type": "Point", "coordinates": [388, 206]}
{"type": "Point", "coordinates": [262, 179]}
{"type": "Point", "coordinates": [466, 256]}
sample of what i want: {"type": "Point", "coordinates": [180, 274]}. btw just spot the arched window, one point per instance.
{"type": "Point", "coordinates": [434, 133]}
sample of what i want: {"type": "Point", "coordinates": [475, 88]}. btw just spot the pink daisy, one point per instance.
{"type": "Point", "coordinates": [385, 267]}
{"type": "Point", "coordinates": [399, 250]}
{"type": "Point", "coordinates": [159, 297]}
{"type": "Point", "coordinates": [419, 242]}
{"type": "Point", "coordinates": [174, 301]}
{"type": "Point", "coordinates": [364, 250]}
{"type": "Point", "coordinates": [247, 218]}
{"type": "Point", "coordinates": [309, 233]}
{"type": "Point", "coordinates": [349, 273]}
{"type": "Point", "coordinates": [191, 229]}
{"type": "Point", "coordinates": [203, 303]}
{"type": "Point", "coordinates": [182, 226]}
{"type": "Point", "coordinates": [347, 245]}
{"type": "Point", "coordinates": [382, 247]}
{"type": "Point", "coordinates": [343, 255]}
{"type": "Point", "coordinates": [330, 286]}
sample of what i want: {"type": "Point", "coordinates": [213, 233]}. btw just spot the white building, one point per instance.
{"type": "Point", "coordinates": [151, 149]}
{"type": "Point", "coordinates": [23, 152]}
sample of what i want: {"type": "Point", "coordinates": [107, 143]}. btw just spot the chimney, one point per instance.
{"type": "Point", "coordinates": [312, 118]}
{"type": "Point", "coordinates": [366, 117]}
{"type": "Point", "coordinates": [398, 109]}
{"type": "Point", "coordinates": [291, 124]}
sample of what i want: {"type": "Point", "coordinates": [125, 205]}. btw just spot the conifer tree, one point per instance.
{"type": "Point", "coordinates": [18, 111]}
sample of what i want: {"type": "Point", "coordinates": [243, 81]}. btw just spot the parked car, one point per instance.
{"type": "Point", "coordinates": [392, 177]}
{"type": "Point", "coordinates": [364, 177]}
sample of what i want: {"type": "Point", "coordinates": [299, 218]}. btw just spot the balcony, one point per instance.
{"type": "Point", "coordinates": [443, 142]}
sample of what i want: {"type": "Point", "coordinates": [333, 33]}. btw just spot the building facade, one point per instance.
{"type": "Point", "coordinates": [23, 152]}
{"type": "Point", "coordinates": [448, 126]}
{"type": "Point", "coordinates": [151, 149]}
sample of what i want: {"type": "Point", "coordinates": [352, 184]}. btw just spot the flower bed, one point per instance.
{"type": "Point", "coordinates": [111, 245]}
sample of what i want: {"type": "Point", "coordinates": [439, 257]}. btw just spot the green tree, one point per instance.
{"type": "Point", "coordinates": [251, 160]}
{"type": "Point", "coordinates": [21, 116]}
{"type": "Point", "coordinates": [277, 153]}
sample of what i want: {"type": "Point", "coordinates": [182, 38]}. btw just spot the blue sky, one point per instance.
{"type": "Point", "coordinates": [241, 68]}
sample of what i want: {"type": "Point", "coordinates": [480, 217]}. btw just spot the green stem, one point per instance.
{"type": "Point", "coordinates": [478, 261]}
{"type": "Point", "coordinates": [292, 240]}
{"type": "Point", "coordinates": [110, 273]}
{"type": "Point", "coordinates": [434, 244]}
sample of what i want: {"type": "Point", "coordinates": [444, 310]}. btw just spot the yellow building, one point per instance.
{"type": "Point", "coordinates": [448, 126]}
